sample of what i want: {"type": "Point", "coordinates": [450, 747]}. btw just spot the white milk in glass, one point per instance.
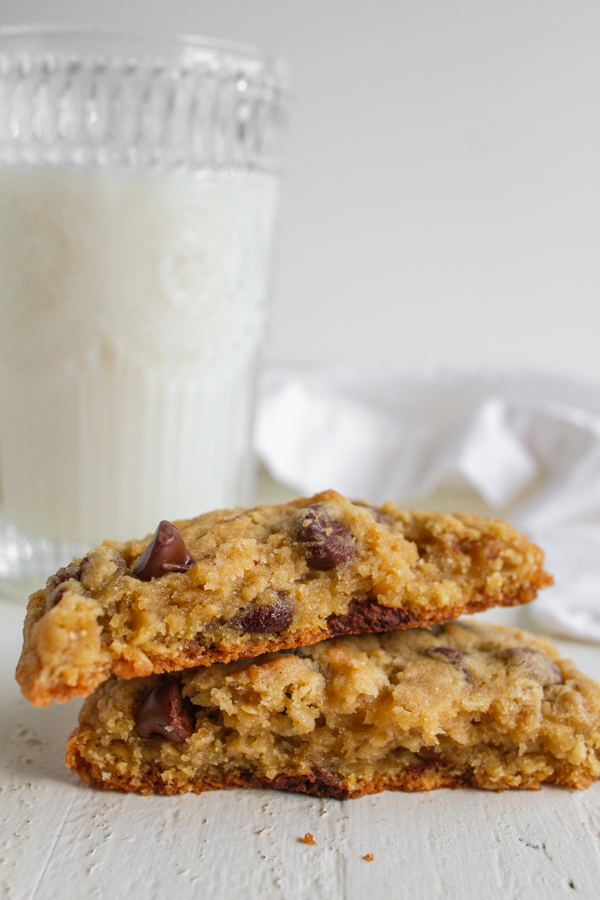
{"type": "Point", "coordinates": [132, 307]}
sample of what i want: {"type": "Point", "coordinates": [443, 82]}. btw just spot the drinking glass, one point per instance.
{"type": "Point", "coordinates": [138, 193]}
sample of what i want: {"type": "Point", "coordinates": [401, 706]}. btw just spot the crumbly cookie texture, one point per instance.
{"type": "Point", "coordinates": [238, 583]}
{"type": "Point", "coordinates": [460, 704]}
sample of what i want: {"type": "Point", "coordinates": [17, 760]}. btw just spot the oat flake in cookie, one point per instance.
{"type": "Point", "coordinates": [411, 710]}
{"type": "Point", "coordinates": [238, 583]}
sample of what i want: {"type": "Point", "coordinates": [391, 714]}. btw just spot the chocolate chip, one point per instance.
{"type": "Point", "coordinates": [534, 663]}
{"type": "Point", "coordinates": [165, 713]}
{"type": "Point", "coordinates": [269, 619]}
{"type": "Point", "coordinates": [364, 614]}
{"type": "Point", "coordinates": [316, 783]}
{"type": "Point", "coordinates": [447, 654]}
{"type": "Point", "coordinates": [166, 552]}
{"type": "Point", "coordinates": [56, 585]}
{"type": "Point", "coordinates": [327, 543]}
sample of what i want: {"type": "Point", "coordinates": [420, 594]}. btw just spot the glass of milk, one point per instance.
{"type": "Point", "coordinates": [138, 193]}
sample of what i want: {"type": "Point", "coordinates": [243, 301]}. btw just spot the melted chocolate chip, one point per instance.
{"type": "Point", "coordinates": [270, 619]}
{"type": "Point", "coordinates": [166, 714]}
{"type": "Point", "coordinates": [327, 543]}
{"type": "Point", "coordinates": [166, 552]}
{"type": "Point", "coordinates": [316, 783]}
{"type": "Point", "coordinates": [448, 654]}
{"type": "Point", "coordinates": [534, 663]}
{"type": "Point", "coordinates": [366, 615]}
{"type": "Point", "coordinates": [57, 584]}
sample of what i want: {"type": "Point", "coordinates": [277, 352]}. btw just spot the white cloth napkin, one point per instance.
{"type": "Point", "coordinates": [528, 442]}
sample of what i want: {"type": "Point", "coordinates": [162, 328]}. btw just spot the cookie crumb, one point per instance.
{"type": "Point", "coordinates": [260, 831]}
{"type": "Point", "coordinates": [369, 857]}
{"type": "Point", "coordinates": [309, 839]}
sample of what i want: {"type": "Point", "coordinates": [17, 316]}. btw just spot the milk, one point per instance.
{"type": "Point", "coordinates": [132, 308]}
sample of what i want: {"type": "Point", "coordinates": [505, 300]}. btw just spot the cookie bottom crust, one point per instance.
{"type": "Point", "coordinates": [424, 775]}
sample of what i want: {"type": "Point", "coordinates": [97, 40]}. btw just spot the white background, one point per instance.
{"type": "Point", "coordinates": [442, 197]}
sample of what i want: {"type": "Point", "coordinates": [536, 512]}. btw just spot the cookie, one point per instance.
{"type": "Point", "coordinates": [460, 704]}
{"type": "Point", "coordinates": [239, 583]}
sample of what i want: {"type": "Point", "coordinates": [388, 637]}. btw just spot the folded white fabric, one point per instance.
{"type": "Point", "coordinates": [528, 442]}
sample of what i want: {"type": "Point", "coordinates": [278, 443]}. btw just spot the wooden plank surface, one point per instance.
{"type": "Point", "coordinates": [60, 840]}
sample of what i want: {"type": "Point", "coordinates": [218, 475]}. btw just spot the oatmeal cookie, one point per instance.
{"type": "Point", "coordinates": [460, 704]}
{"type": "Point", "coordinates": [238, 583]}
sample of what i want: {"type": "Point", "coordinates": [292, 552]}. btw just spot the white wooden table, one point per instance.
{"type": "Point", "coordinates": [61, 840]}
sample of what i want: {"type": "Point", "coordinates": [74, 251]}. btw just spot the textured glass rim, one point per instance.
{"type": "Point", "coordinates": [74, 38]}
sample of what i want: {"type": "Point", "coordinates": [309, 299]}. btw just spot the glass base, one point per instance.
{"type": "Point", "coordinates": [26, 562]}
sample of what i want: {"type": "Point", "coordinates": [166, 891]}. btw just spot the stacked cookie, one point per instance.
{"type": "Point", "coordinates": [309, 646]}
